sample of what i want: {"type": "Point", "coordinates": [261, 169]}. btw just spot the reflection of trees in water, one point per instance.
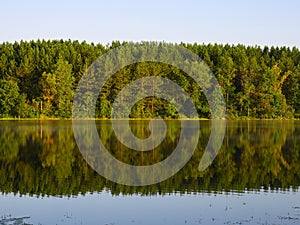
{"type": "Point", "coordinates": [42, 158]}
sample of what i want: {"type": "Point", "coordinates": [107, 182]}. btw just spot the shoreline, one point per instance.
{"type": "Point", "coordinates": [133, 119]}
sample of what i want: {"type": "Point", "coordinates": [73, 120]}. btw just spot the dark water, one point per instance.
{"type": "Point", "coordinates": [254, 179]}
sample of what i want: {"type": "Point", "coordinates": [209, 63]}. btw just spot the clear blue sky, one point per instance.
{"type": "Point", "coordinates": [255, 22]}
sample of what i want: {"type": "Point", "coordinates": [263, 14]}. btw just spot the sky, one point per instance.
{"type": "Point", "coordinates": [255, 22]}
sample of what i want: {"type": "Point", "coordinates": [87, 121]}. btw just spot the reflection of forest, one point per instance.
{"type": "Point", "coordinates": [42, 158]}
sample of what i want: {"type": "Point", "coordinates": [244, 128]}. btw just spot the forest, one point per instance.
{"type": "Point", "coordinates": [38, 79]}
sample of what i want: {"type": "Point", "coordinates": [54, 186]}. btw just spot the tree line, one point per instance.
{"type": "Point", "coordinates": [38, 79]}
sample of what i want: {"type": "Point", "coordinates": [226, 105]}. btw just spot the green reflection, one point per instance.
{"type": "Point", "coordinates": [41, 158]}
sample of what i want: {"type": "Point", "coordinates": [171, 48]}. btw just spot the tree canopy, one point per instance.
{"type": "Point", "coordinates": [38, 79]}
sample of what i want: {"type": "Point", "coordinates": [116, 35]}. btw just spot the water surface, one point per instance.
{"type": "Point", "coordinates": [254, 179]}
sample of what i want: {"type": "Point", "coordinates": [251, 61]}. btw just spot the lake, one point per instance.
{"type": "Point", "coordinates": [254, 179]}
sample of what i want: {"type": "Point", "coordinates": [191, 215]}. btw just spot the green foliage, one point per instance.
{"type": "Point", "coordinates": [9, 95]}
{"type": "Point", "coordinates": [38, 79]}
